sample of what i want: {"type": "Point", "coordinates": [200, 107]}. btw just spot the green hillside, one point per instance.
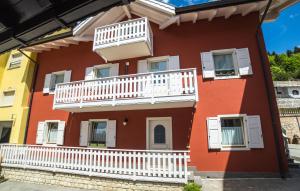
{"type": "Point", "coordinates": [285, 66]}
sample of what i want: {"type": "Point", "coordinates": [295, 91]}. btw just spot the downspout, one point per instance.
{"type": "Point", "coordinates": [36, 67]}
{"type": "Point", "coordinates": [271, 96]}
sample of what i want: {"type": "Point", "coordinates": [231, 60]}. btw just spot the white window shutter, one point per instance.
{"type": "Point", "coordinates": [111, 133]}
{"type": "Point", "coordinates": [40, 132]}
{"type": "Point", "coordinates": [208, 69]}
{"type": "Point", "coordinates": [174, 63]}
{"type": "Point", "coordinates": [89, 73]}
{"type": "Point", "coordinates": [47, 83]}
{"type": "Point", "coordinates": [114, 70]}
{"type": "Point", "coordinates": [142, 66]}
{"type": "Point", "coordinates": [244, 62]}
{"type": "Point", "coordinates": [254, 131]}
{"type": "Point", "coordinates": [67, 76]}
{"type": "Point", "coordinates": [60, 133]}
{"type": "Point", "coordinates": [84, 133]}
{"type": "Point", "coordinates": [214, 133]}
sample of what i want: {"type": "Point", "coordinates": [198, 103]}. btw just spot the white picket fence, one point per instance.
{"type": "Point", "coordinates": [143, 165]}
{"type": "Point", "coordinates": [148, 87]}
{"type": "Point", "coordinates": [122, 33]}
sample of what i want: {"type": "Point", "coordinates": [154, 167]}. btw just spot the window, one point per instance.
{"type": "Point", "coordinates": [56, 79]}
{"type": "Point", "coordinates": [157, 66]}
{"type": "Point", "coordinates": [15, 60]}
{"type": "Point", "coordinates": [102, 72]}
{"type": "Point", "coordinates": [98, 133]}
{"type": "Point", "coordinates": [278, 91]}
{"type": "Point", "coordinates": [232, 130]}
{"type": "Point", "coordinates": [52, 132]}
{"type": "Point", "coordinates": [5, 129]}
{"type": "Point", "coordinates": [159, 134]}
{"type": "Point", "coordinates": [7, 98]}
{"type": "Point", "coordinates": [295, 92]}
{"type": "Point", "coordinates": [224, 64]}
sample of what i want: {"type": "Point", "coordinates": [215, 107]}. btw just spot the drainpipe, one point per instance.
{"type": "Point", "coordinates": [36, 67]}
{"type": "Point", "coordinates": [271, 96]}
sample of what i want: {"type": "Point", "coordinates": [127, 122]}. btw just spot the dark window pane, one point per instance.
{"type": "Point", "coordinates": [159, 134]}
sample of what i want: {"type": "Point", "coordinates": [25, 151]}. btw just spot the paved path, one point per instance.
{"type": "Point", "coordinates": [21, 186]}
{"type": "Point", "coordinates": [291, 184]}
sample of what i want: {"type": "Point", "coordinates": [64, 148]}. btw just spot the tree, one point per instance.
{"type": "Point", "coordinates": [296, 49]}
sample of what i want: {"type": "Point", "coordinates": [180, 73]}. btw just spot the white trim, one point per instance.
{"type": "Point", "coordinates": [235, 63]}
{"type": "Point", "coordinates": [148, 119]}
{"type": "Point", "coordinates": [244, 147]}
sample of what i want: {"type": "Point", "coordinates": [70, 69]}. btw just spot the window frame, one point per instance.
{"type": "Point", "coordinates": [90, 131]}
{"type": "Point", "coordinates": [51, 91]}
{"type": "Point", "coordinates": [46, 134]}
{"type": "Point", "coordinates": [15, 60]}
{"type": "Point", "coordinates": [158, 59]}
{"type": "Point", "coordinates": [102, 66]}
{"type": "Point", "coordinates": [245, 147]}
{"type": "Point", "coordinates": [2, 96]}
{"type": "Point", "coordinates": [235, 63]}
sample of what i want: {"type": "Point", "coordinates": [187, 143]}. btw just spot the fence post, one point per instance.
{"type": "Point", "coordinates": [196, 85]}
{"type": "Point", "coordinates": [81, 93]}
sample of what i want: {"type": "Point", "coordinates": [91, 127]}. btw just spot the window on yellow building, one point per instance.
{"type": "Point", "coordinates": [7, 98]}
{"type": "Point", "coordinates": [15, 60]}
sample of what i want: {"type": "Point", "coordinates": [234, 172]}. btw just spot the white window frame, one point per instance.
{"type": "Point", "coordinates": [55, 73]}
{"type": "Point", "coordinates": [158, 59]}
{"type": "Point", "coordinates": [90, 128]}
{"type": "Point", "coordinates": [18, 59]}
{"type": "Point", "coordinates": [235, 63]}
{"type": "Point", "coordinates": [102, 66]}
{"type": "Point", "coordinates": [2, 96]}
{"type": "Point", "coordinates": [246, 145]}
{"type": "Point", "coordinates": [148, 119]}
{"type": "Point", "coordinates": [45, 142]}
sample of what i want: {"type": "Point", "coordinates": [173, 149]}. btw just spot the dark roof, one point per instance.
{"type": "Point", "coordinates": [22, 22]}
{"type": "Point", "coordinates": [211, 5]}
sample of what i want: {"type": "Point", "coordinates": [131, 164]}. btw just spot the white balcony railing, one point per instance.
{"type": "Point", "coordinates": [147, 88]}
{"type": "Point", "coordinates": [124, 33]}
{"type": "Point", "coordinates": [144, 165]}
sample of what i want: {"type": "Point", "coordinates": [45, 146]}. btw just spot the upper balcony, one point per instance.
{"type": "Point", "coordinates": [124, 40]}
{"type": "Point", "coordinates": [168, 89]}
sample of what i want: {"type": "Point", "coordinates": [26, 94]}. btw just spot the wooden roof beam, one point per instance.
{"type": "Point", "coordinates": [127, 11]}
{"type": "Point", "coordinates": [195, 17]}
{"type": "Point", "coordinates": [169, 22]}
{"type": "Point", "coordinates": [250, 9]}
{"type": "Point", "coordinates": [230, 11]}
{"type": "Point", "coordinates": [212, 14]}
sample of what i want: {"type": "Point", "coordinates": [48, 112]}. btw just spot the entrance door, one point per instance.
{"type": "Point", "coordinates": [5, 129]}
{"type": "Point", "coordinates": [160, 133]}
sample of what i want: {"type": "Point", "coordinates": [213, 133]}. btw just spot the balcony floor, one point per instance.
{"type": "Point", "coordinates": [130, 104]}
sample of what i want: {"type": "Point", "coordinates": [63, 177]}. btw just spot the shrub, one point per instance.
{"type": "Point", "coordinates": [192, 187]}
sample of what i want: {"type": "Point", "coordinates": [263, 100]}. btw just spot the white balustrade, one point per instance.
{"type": "Point", "coordinates": [120, 90]}
{"type": "Point", "coordinates": [144, 165]}
{"type": "Point", "coordinates": [123, 33]}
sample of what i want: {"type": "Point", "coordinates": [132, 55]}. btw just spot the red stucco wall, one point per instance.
{"type": "Point", "coordinates": [246, 95]}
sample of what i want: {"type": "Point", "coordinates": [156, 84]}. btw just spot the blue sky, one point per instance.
{"type": "Point", "coordinates": [280, 35]}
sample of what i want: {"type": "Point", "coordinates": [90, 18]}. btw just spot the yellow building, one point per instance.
{"type": "Point", "coordinates": [16, 75]}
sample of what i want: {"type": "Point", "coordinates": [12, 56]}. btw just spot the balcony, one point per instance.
{"type": "Point", "coordinates": [124, 40]}
{"type": "Point", "coordinates": [169, 89]}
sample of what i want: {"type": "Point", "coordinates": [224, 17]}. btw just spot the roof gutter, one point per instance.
{"type": "Point", "coordinates": [212, 5]}
{"type": "Point", "coordinates": [272, 103]}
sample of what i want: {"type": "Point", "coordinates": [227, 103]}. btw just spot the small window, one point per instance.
{"type": "Point", "coordinates": [56, 79]}
{"type": "Point", "coordinates": [278, 92]}
{"type": "Point", "coordinates": [295, 92]}
{"type": "Point", "coordinates": [224, 64]}
{"type": "Point", "coordinates": [232, 130]}
{"type": "Point", "coordinates": [15, 60]}
{"type": "Point", "coordinates": [52, 132]}
{"type": "Point", "coordinates": [158, 66]}
{"type": "Point", "coordinates": [102, 72]}
{"type": "Point", "coordinates": [5, 129]}
{"type": "Point", "coordinates": [7, 98]}
{"type": "Point", "coordinates": [98, 133]}
{"type": "Point", "coordinates": [159, 134]}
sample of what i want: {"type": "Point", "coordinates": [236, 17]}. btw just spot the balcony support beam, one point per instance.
{"type": "Point", "coordinates": [127, 11]}
{"type": "Point", "coordinates": [169, 22]}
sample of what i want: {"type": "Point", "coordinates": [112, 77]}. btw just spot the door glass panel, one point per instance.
{"type": "Point", "coordinates": [159, 134]}
{"type": "Point", "coordinates": [5, 134]}
{"type": "Point", "coordinates": [158, 66]}
{"type": "Point", "coordinates": [98, 133]}
{"type": "Point", "coordinates": [102, 72]}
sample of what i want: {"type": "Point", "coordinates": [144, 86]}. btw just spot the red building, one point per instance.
{"type": "Point", "coordinates": [157, 81]}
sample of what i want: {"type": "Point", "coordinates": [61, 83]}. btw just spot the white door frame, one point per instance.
{"type": "Point", "coordinates": [148, 119]}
